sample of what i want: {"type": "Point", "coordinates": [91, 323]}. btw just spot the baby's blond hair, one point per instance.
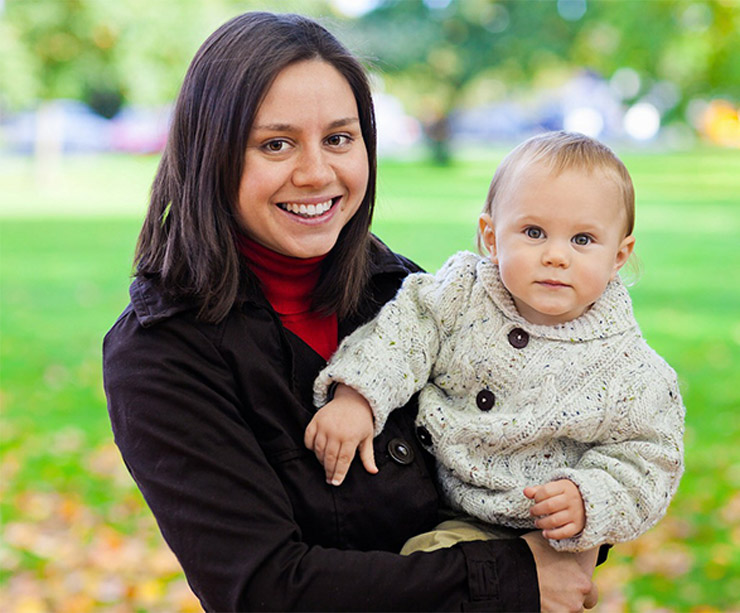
{"type": "Point", "coordinates": [561, 151]}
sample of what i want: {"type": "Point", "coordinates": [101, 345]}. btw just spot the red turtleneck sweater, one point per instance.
{"type": "Point", "coordinates": [288, 284]}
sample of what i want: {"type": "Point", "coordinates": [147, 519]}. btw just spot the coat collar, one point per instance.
{"type": "Point", "coordinates": [151, 305]}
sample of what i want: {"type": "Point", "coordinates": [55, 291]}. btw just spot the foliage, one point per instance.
{"type": "Point", "coordinates": [104, 52]}
{"type": "Point", "coordinates": [443, 55]}
{"type": "Point", "coordinates": [437, 55]}
{"type": "Point", "coordinates": [76, 533]}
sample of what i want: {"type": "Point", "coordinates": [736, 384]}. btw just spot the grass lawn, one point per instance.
{"type": "Point", "coordinates": [76, 535]}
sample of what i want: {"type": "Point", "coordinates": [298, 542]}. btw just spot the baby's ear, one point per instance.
{"type": "Point", "coordinates": [488, 236]}
{"type": "Point", "coordinates": [626, 247]}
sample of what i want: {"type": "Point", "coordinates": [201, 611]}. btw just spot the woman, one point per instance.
{"type": "Point", "coordinates": [254, 258]}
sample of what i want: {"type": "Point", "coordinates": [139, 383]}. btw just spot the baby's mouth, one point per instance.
{"type": "Point", "coordinates": [308, 211]}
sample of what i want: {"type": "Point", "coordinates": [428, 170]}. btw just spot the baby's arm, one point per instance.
{"type": "Point", "coordinates": [383, 363]}
{"type": "Point", "coordinates": [558, 508]}
{"type": "Point", "coordinates": [337, 430]}
{"type": "Point", "coordinates": [391, 358]}
{"type": "Point", "coordinates": [560, 514]}
{"type": "Point", "coordinates": [629, 476]}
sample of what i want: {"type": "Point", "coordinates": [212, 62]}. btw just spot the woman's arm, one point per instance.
{"type": "Point", "coordinates": [225, 513]}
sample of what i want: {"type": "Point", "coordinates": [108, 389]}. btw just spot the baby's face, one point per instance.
{"type": "Point", "coordinates": [558, 240]}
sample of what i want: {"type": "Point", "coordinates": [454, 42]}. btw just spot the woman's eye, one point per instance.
{"type": "Point", "coordinates": [582, 240]}
{"type": "Point", "coordinates": [338, 140]}
{"type": "Point", "coordinates": [275, 146]}
{"type": "Point", "coordinates": [533, 232]}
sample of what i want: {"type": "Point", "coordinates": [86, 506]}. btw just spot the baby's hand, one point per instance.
{"type": "Point", "coordinates": [558, 508]}
{"type": "Point", "coordinates": [338, 429]}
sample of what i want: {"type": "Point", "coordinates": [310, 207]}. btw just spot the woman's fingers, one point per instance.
{"type": "Point", "coordinates": [563, 584]}
{"type": "Point", "coordinates": [592, 598]}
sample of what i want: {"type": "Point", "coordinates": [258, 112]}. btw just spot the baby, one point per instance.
{"type": "Point", "coordinates": [540, 400]}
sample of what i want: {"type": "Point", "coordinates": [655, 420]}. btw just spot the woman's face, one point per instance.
{"type": "Point", "coordinates": [306, 166]}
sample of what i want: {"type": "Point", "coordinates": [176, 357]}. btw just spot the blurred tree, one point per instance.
{"type": "Point", "coordinates": [66, 48]}
{"type": "Point", "coordinates": [104, 53]}
{"type": "Point", "coordinates": [107, 52]}
{"type": "Point", "coordinates": [438, 55]}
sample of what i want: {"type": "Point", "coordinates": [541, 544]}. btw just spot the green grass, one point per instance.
{"type": "Point", "coordinates": [68, 508]}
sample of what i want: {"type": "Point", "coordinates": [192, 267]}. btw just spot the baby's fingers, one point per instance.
{"type": "Point", "coordinates": [556, 520]}
{"type": "Point", "coordinates": [548, 506]}
{"type": "Point", "coordinates": [330, 457]}
{"type": "Point", "coordinates": [319, 446]}
{"type": "Point", "coordinates": [563, 532]}
{"type": "Point", "coordinates": [342, 457]}
{"type": "Point", "coordinates": [367, 455]}
{"type": "Point", "coordinates": [309, 435]}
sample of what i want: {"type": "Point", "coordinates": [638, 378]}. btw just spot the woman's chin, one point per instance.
{"type": "Point", "coordinates": [310, 248]}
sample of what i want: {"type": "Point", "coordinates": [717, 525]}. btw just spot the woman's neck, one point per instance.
{"type": "Point", "coordinates": [289, 284]}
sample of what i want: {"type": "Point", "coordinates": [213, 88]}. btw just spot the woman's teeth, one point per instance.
{"type": "Point", "coordinates": [306, 210]}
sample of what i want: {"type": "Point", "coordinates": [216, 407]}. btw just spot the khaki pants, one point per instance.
{"type": "Point", "coordinates": [458, 530]}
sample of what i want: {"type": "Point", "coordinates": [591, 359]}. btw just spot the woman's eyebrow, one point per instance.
{"type": "Point", "coordinates": [287, 127]}
{"type": "Point", "coordinates": [339, 123]}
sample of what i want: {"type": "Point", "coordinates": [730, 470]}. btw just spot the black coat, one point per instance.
{"type": "Point", "coordinates": [210, 419]}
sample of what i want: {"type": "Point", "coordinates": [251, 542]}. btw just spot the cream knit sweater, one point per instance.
{"type": "Point", "coordinates": [505, 403]}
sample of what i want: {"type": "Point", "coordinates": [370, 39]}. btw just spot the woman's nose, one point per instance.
{"type": "Point", "coordinates": [313, 170]}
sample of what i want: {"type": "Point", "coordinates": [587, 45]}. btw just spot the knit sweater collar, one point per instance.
{"type": "Point", "coordinates": [610, 314]}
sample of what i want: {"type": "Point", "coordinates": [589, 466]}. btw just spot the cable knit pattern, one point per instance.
{"type": "Point", "coordinates": [587, 400]}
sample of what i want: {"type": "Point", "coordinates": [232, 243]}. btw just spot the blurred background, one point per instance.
{"type": "Point", "coordinates": [86, 90]}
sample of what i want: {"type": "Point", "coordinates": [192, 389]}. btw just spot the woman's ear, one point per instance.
{"type": "Point", "coordinates": [623, 254]}
{"type": "Point", "coordinates": [488, 235]}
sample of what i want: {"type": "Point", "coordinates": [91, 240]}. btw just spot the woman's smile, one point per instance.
{"type": "Point", "coordinates": [309, 210]}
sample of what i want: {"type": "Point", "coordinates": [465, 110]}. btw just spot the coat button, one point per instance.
{"type": "Point", "coordinates": [485, 400]}
{"type": "Point", "coordinates": [423, 435]}
{"type": "Point", "coordinates": [400, 451]}
{"type": "Point", "coordinates": [518, 338]}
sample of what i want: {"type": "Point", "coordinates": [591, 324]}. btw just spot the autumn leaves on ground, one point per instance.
{"type": "Point", "coordinates": [65, 555]}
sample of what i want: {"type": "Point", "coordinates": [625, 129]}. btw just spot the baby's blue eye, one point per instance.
{"type": "Point", "coordinates": [534, 232]}
{"type": "Point", "coordinates": [582, 239]}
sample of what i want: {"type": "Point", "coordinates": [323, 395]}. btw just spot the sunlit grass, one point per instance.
{"type": "Point", "coordinates": [74, 528]}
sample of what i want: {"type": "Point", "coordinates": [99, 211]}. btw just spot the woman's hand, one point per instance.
{"type": "Point", "coordinates": [338, 429]}
{"type": "Point", "coordinates": [564, 585]}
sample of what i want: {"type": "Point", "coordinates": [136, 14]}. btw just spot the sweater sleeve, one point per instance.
{"type": "Point", "coordinates": [391, 357]}
{"type": "Point", "coordinates": [628, 478]}
{"type": "Point", "coordinates": [225, 513]}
